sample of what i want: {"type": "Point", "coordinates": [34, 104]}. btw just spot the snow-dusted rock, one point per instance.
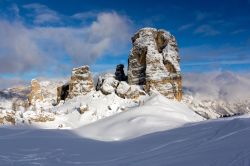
{"type": "Point", "coordinates": [101, 79]}
{"type": "Point", "coordinates": [32, 116]}
{"type": "Point", "coordinates": [107, 83]}
{"type": "Point", "coordinates": [36, 92]}
{"type": "Point", "coordinates": [84, 108]}
{"type": "Point", "coordinates": [81, 81]}
{"type": "Point", "coordinates": [154, 62]}
{"type": "Point", "coordinates": [125, 90]}
{"type": "Point", "coordinates": [7, 117]}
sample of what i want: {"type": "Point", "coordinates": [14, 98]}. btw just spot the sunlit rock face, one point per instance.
{"type": "Point", "coordinates": [36, 92]}
{"type": "Point", "coordinates": [81, 82]}
{"type": "Point", "coordinates": [154, 62]}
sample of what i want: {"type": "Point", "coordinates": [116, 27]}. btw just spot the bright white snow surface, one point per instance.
{"type": "Point", "coordinates": [157, 113]}
{"type": "Point", "coordinates": [158, 132]}
{"type": "Point", "coordinates": [208, 143]}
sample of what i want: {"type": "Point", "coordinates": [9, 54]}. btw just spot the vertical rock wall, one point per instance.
{"type": "Point", "coordinates": [36, 92]}
{"type": "Point", "coordinates": [154, 62]}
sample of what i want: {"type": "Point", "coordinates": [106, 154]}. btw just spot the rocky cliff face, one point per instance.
{"type": "Point", "coordinates": [154, 62]}
{"type": "Point", "coordinates": [36, 92]}
{"type": "Point", "coordinates": [81, 81]}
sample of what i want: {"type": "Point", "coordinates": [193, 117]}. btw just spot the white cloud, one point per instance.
{"type": "Point", "coordinates": [18, 51]}
{"type": "Point", "coordinates": [225, 86]}
{"type": "Point", "coordinates": [27, 48]}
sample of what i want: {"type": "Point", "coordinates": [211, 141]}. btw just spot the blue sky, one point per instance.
{"type": "Point", "coordinates": [47, 38]}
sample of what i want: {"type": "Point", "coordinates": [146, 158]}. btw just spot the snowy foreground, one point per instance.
{"type": "Point", "coordinates": [214, 142]}
{"type": "Point", "coordinates": [158, 132]}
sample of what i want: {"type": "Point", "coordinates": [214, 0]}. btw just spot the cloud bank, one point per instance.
{"type": "Point", "coordinates": [47, 44]}
{"type": "Point", "coordinates": [225, 86]}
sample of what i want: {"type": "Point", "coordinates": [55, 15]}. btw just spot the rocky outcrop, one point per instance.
{"type": "Point", "coordinates": [154, 62]}
{"type": "Point", "coordinates": [107, 83]}
{"type": "Point", "coordinates": [119, 73]}
{"type": "Point", "coordinates": [62, 92]}
{"type": "Point", "coordinates": [36, 92]}
{"type": "Point", "coordinates": [124, 90]}
{"type": "Point", "coordinates": [81, 82]}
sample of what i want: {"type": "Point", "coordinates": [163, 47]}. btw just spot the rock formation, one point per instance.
{"type": "Point", "coordinates": [81, 82]}
{"type": "Point", "coordinates": [107, 83]}
{"type": "Point", "coordinates": [36, 92]}
{"type": "Point", "coordinates": [124, 90]}
{"type": "Point", "coordinates": [119, 73]}
{"type": "Point", "coordinates": [62, 92]}
{"type": "Point", "coordinates": [154, 62]}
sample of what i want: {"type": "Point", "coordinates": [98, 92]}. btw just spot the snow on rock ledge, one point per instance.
{"type": "Point", "coordinates": [154, 62]}
{"type": "Point", "coordinates": [129, 91]}
{"type": "Point", "coordinates": [108, 84]}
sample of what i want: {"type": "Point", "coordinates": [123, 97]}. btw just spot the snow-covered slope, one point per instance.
{"type": "Point", "coordinates": [151, 130]}
{"type": "Point", "coordinates": [157, 113]}
{"type": "Point", "coordinates": [222, 142]}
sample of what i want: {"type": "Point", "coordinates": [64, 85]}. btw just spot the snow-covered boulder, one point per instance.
{"type": "Point", "coordinates": [107, 83]}
{"type": "Point", "coordinates": [154, 62]}
{"type": "Point", "coordinates": [81, 82]}
{"type": "Point", "coordinates": [124, 90]}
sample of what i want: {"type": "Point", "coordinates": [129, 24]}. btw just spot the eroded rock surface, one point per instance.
{"type": "Point", "coordinates": [154, 62]}
{"type": "Point", "coordinates": [36, 92]}
{"type": "Point", "coordinates": [81, 81]}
